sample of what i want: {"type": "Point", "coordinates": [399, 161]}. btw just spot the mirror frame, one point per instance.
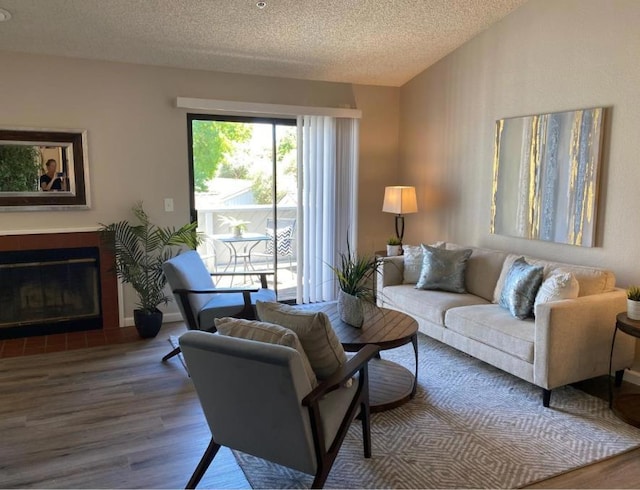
{"type": "Point", "coordinates": [51, 201]}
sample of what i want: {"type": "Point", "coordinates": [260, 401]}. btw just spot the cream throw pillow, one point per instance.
{"type": "Point", "coordinates": [314, 330]}
{"type": "Point", "coordinates": [558, 285]}
{"type": "Point", "coordinates": [266, 332]}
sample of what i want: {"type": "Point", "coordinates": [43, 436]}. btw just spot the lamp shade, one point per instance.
{"type": "Point", "coordinates": [400, 199]}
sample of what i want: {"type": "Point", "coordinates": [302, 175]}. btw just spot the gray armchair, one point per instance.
{"type": "Point", "coordinates": [263, 404]}
{"type": "Point", "coordinates": [200, 302]}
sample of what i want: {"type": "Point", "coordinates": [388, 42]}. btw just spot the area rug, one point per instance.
{"type": "Point", "coordinates": [469, 426]}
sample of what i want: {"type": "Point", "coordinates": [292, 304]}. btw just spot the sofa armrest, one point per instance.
{"type": "Point", "coordinates": [391, 272]}
{"type": "Point", "coordinates": [573, 339]}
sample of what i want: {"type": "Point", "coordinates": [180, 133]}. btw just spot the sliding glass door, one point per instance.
{"type": "Point", "coordinates": [244, 196]}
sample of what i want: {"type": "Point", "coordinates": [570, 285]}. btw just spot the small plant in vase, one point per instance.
{"type": "Point", "coordinates": [237, 226]}
{"type": "Point", "coordinates": [394, 246]}
{"type": "Point", "coordinates": [633, 302]}
{"type": "Point", "coordinates": [355, 277]}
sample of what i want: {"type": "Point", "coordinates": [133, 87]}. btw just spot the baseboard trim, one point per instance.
{"type": "Point", "coordinates": [632, 376]}
{"type": "Point", "coordinates": [166, 318]}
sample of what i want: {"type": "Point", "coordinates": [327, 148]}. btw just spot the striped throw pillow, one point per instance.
{"type": "Point", "coordinates": [314, 330]}
{"type": "Point", "coordinates": [266, 332]}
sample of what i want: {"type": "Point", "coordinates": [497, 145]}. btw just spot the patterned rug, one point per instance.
{"type": "Point", "coordinates": [469, 426]}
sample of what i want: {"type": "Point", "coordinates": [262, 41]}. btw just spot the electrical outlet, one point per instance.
{"type": "Point", "coordinates": [168, 204]}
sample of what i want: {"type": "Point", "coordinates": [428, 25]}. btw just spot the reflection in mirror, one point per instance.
{"type": "Point", "coordinates": [42, 170]}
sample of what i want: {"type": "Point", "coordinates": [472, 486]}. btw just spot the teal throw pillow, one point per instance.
{"type": "Point", "coordinates": [520, 288]}
{"type": "Point", "coordinates": [443, 269]}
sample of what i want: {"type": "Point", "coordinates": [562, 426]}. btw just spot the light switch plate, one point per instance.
{"type": "Point", "coordinates": [168, 204]}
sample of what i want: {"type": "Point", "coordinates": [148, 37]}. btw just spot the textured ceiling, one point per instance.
{"type": "Point", "coordinates": [384, 42]}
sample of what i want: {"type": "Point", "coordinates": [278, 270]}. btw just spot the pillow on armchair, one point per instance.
{"type": "Point", "coordinates": [265, 332]}
{"type": "Point", "coordinates": [319, 341]}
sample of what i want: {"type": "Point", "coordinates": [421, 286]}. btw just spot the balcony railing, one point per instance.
{"type": "Point", "coordinates": [251, 255]}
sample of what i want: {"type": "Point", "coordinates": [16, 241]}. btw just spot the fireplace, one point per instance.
{"type": "Point", "coordinates": [56, 283]}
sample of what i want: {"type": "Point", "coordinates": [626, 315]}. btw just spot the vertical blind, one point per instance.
{"type": "Point", "coordinates": [327, 201]}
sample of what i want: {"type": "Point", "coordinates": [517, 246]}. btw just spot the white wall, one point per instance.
{"type": "Point", "coordinates": [547, 56]}
{"type": "Point", "coordinates": [137, 138]}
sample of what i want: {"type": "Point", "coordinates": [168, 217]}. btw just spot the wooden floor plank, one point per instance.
{"type": "Point", "coordinates": [114, 416]}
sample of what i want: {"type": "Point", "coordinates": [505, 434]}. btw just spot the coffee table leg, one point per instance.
{"type": "Point", "coordinates": [414, 342]}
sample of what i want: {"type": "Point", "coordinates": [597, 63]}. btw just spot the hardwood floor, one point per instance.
{"type": "Point", "coordinates": [106, 417]}
{"type": "Point", "coordinates": [116, 417]}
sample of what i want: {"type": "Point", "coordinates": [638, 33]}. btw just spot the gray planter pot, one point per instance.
{"type": "Point", "coordinates": [350, 309]}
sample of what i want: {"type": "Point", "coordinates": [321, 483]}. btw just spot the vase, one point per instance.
{"type": "Point", "coordinates": [147, 323]}
{"type": "Point", "coordinates": [350, 309]}
{"type": "Point", "coordinates": [393, 250]}
{"type": "Point", "coordinates": [633, 309]}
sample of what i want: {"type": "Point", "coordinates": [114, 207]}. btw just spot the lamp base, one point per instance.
{"type": "Point", "coordinates": [400, 228]}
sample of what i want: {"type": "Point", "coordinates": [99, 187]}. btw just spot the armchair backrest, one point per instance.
{"type": "Point", "coordinates": [251, 395]}
{"type": "Point", "coordinates": [187, 271]}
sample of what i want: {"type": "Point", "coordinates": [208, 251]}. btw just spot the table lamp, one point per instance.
{"type": "Point", "coordinates": [400, 200]}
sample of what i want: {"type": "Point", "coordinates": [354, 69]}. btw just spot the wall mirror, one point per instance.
{"type": "Point", "coordinates": [43, 170]}
{"type": "Point", "coordinates": [545, 176]}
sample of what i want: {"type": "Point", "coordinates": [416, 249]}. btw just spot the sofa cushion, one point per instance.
{"type": "Point", "coordinates": [443, 269]}
{"type": "Point", "coordinates": [320, 343]}
{"type": "Point", "coordinates": [556, 286]}
{"type": "Point", "coordinates": [591, 280]}
{"type": "Point", "coordinates": [413, 258]}
{"type": "Point", "coordinates": [483, 270]}
{"type": "Point", "coordinates": [494, 326]}
{"type": "Point", "coordinates": [520, 288]}
{"type": "Point", "coordinates": [428, 304]}
{"type": "Point", "coordinates": [266, 332]}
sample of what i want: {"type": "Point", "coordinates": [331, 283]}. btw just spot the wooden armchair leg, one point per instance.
{"type": "Point", "coordinates": [365, 414]}
{"type": "Point", "coordinates": [321, 476]}
{"type": "Point", "coordinates": [174, 352]}
{"type": "Point", "coordinates": [204, 463]}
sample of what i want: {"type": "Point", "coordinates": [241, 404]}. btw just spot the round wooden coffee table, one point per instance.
{"type": "Point", "coordinates": [390, 385]}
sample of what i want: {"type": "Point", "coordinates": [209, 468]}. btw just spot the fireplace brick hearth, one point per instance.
{"type": "Point", "coordinates": [110, 332]}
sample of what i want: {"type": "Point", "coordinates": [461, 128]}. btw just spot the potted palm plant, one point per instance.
{"type": "Point", "coordinates": [633, 303]}
{"type": "Point", "coordinates": [139, 250]}
{"type": "Point", "coordinates": [355, 275]}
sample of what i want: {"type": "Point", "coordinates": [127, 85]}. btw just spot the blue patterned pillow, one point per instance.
{"type": "Point", "coordinates": [443, 269]}
{"type": "Point", "coordinates": [520, 288]}
{"type": "Point", "coordinates": [285, 236]}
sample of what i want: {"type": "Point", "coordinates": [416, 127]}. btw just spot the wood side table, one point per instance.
{"type": "Point", "coordinates": [625, 406]}
{"type": "Point", "coordinates": [390, 385]}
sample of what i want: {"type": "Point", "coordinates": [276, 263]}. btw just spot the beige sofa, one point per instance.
{"type": "Point", "coordinates": [568, 341]}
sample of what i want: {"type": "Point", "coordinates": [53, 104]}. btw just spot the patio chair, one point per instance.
{"type": "Point", "coordinates": [281, 240]}
{"type": "Point", "coordinates": [200, 302]}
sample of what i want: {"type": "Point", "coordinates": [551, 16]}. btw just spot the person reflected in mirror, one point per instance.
{"type": "Point", "coordinates": [52, 180]}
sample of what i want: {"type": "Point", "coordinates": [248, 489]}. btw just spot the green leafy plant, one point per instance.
{"type": "Point", "coordinates": [633, 293]}
{"type": "Point", "coordinates": [355, 274]}
{"type": "Point", "coordinates": [393, 240]}
{"type": "Point", "coordinates": [237, 224]}
{"type": "Point", "coordinates": [141, 249]}
{"type": "Point", "coordinates": [20, 166]}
